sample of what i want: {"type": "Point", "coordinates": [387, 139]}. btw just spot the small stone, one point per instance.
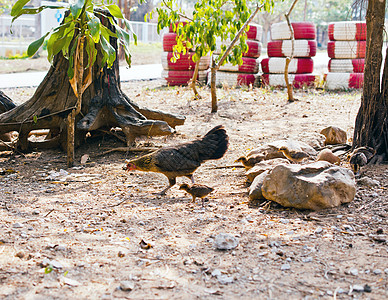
{"type": "Point", "coordinates": [284, 221]}
{"type": "Point", "coordinates": [350, 219]}
{"type": "Point", "coordinates": [367, 289]}
{"type": "Point", "coordinates": [35, 212]}
{"type": "Point", "coordinates": [127, 285]}
{"type": "Point", "coordinates": [17, 225]}
{"type": "Point", "coordinates": [225, 279]}
{"type": "Point", "coordinates": [20, 254]}
{"type": "Point", "coordinates": [318, 230]}
{"type": "Point", "coordinates": [56, 264]}
{"type": "Point", "coordinates": [216, 273]}
{"type": "Point", "coordinates": [307, 259]}
{"type": "Point", "coordinates": [386, 270]}
{"type": "Point", "coordinates": [285, 267]}
{"type": "Point", "coordinates": [70, 281]}
{"type": "Point", "coordinates": [339, 216]}
{"type": "Point", "coordinates": [353, 271]}
{"type": "Point", "coordinates": [380, 231]}
{"type": "Point", "coordinates": [358, 288]}
{"type": "Point", "coordinates": [225, 241]}
{"type": "Point", "coordinates": [60, 248]}
{"type": "Point", "coordinates": [377, 272]}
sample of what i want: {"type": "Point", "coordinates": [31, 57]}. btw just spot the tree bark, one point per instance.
{"type": "Point", "coordinates": [371, 126]}
{"type": "Point", "coordinates": [104, 105]}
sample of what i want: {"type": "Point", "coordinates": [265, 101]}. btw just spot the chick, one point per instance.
{"type": "Point", "coordinates": [196, 190]}
{"type": "Point", "coordinates": [357, 161]}
{"type": "Point", "coordinates": [249, 162]}
{"type": "Point", "coordinates": [360, 157]}
{"type": "Point", "coordinates": [294, 156]}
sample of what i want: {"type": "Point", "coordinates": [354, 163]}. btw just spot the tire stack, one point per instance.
{"type": "Point", "coordinates": [346, 50]}
{"type": "Point", "coordinates": [300, 69]}
{"type": "Point", "coordinates": [181, 71]}
{"type": "Point", "coordinates": [247, 73]}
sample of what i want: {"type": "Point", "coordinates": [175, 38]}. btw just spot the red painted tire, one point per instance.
{"type": "Point", "coordinates": [296, 66]}
{"type": "Point", "coordinates": [302, 48]}
{"type": "Point", "coordinates": [346, 65]}
{"type": "Point", "coordinates": [347, 31]}
{"type": "Point", "coordinates": [254, 48]}
{"type": "Point", "coordinates": [184, 62]}
{"type": "Point", "coordinates": [249, 65]}
{"type": "Point", "coordinates": [335, 81]}
{"type": "Point", "coordinates": [255, 32]}
{"type": "Point", "coordinates": [346, 49]}
{"type": "Point", "coordinates": [302, 30]}
{"type": "Point", "coordinates": [298, 80]}
{"type": "Point", "coordinates": [182, 77]}
{"type": "Point", "coordinates": [233, 79]}
{"type": "Point", "coordinates": [169, 41]}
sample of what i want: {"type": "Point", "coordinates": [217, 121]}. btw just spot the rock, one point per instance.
{"type": "Point", "coordinates": [225, 241]}
{"type": "Point", "coordinates": [377, 272]}
{"type": "Point", "coordinates": [358, 288]}
{"type": "Point", "coordinates": [353, 271]}
{"type": "Point", "coordinates": [17, 225]}
{"type": "Point", "coordinates": [225, 279]}
{"type": "Point", "coordinates": [313, 139]}
{"type": "Point", "coordinates": [266, 165]}
{"type": "Point", "coordinates": [334, 135]}
{"type": "Point", "coordinates": [368, 181]}
{"type": "Point", "coordinates": [56, 264]}
{"type": "Point", "coordinates": [20, 254]}
{"type": "Point", "coordinates": [255, 188]}
{"type": "Point", "coordinates": [70, 282]}
{"type": "Point", "coordinates": [312, 186]}
{"type": "Point", "coordinates": [285, 267]}
{"type": "Point", "coordinates": [127, 285]}
{"type": "Point", "coordinates": [328, 155]}
{"type": "Point", "coordinates": [216, 273]}
{"type": "Point", "coordinates": [318, 230]}
{"type": "Point", "coordinates": [271, 150]}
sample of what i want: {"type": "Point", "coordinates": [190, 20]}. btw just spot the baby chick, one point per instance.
{"type": "Point", "coordinates": [196, 190]}
{"type": "Point", "coordinates": [360, 157]}
{"type": "Point", "coordinates": [249, 162]}
{"type": "Point", "coordinates": [294, 156]}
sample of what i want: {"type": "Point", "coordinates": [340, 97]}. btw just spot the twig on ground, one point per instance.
{"type": "Point", "coordinates": [49, 213]}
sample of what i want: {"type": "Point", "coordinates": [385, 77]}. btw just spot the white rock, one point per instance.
{"type": "Point", "coordinates": [127, 285]}
{"type": "Point", "coordinates": [17, 225]}
{"type": "Point", "coordinates": [377, 272]}
{"type": "Point", "coordinates": [216, 273]}
{"type": "Point", "coordinates": [353, 271]}
{"type": "Point", "coordinates": [285, 267]}
{"type": "Point", "coordinates": [358, 288]}
{"type": "Point", "coordinates": [225, 279]}
{"type": "Point", "coordinates": [225, 241]}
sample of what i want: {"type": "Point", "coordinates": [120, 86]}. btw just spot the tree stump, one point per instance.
{"type": "Point", "coordinates": [104, 106]}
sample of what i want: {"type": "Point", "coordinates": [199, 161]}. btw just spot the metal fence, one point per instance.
{"type": "Point", "coordinates": [24, 30]}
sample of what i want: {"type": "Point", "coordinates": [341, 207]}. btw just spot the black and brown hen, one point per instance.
{"type": "Point", "coordinates": [183, 159]}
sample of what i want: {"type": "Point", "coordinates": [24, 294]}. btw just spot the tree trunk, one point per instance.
{"type": "Point", "coordinates": [371, 127]}
{"type": "Point", "coordinates": [104, 105]}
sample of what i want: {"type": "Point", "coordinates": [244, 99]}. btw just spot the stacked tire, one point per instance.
{"type": "Point", "coordinates": [300, 69]}
{"type": "Point", "coordinates": [248, 73]}
{"type": "Point", "coordinates": [346, 50]}
{"type": "Point", "coordinates": [180, 71]}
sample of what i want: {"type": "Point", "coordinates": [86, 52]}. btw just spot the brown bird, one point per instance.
{"type": "Point", "coordinates": [247, 162]}
{"type": "Point", "coordinates": [294, 156]}
{"type": "Point", "coordinates": [197, 190]}
{"type": "Point", "coordinates": [360, 157]}
{"type": "Point", "coordinates": [183, 159]}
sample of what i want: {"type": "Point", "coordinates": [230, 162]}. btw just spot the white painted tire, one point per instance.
{"type": "Point", "coordinates": [255, 32]}
{"type": "Point", "coordinates": [297, 80]}
{"type": "Point", "coordinates": [346, 49]}
{"type": "Point", "coordinates": [336, 81]}
{"type": "Point", "coordinates": [347, 31]}
{"type": "Point", "coordinates": [302, 30]}
{"type": "Point", "coordinates": [302, 48]}
{"type": "Point", "coordinates": [233, 79]}
{"type": "Point", "coordinates": [346, 65]}
{"type": "Point", "coordinates": [184, 63]}
{"type": "Point", "coordinates": [250, 65]}
{"type": "Point", "coordinates": [173, 78]}
{"type": "Point", "coordinates": [278, 64]}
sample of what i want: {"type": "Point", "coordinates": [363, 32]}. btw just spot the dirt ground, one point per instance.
{"type": "Point", "coordinates": [79, 237]}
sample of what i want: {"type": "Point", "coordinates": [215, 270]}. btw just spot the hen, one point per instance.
{"type": "Point", "coordinates": [183, 159]}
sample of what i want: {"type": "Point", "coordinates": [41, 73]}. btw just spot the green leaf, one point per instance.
{"type": "Point", "coordinates": [115, 11]}
{"type": "Point", "coordinates": [108, 51]}
{"type": "Point", "coordinates": [94, 26]}
{"type": "Point", "coordinates": [76, 8]}
{"type": "Point", "coordinates": [35, 119]}
{"type": "Point", "coordinates": [34, 46]}
{"type": "Point", "coordinates": [91, 51]}
{"type": "Point", "coordinates": [17, 7]}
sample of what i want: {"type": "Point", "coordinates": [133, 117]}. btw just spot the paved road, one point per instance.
{"type": "Point", "coordinates": [28, 79]}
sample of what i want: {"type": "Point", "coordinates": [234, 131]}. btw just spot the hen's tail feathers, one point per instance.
{"type": "Point", "coordinates": [214, 144]}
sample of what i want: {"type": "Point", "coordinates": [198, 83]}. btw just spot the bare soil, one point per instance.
{"type": "Point", "coordinates": [80, 238]}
